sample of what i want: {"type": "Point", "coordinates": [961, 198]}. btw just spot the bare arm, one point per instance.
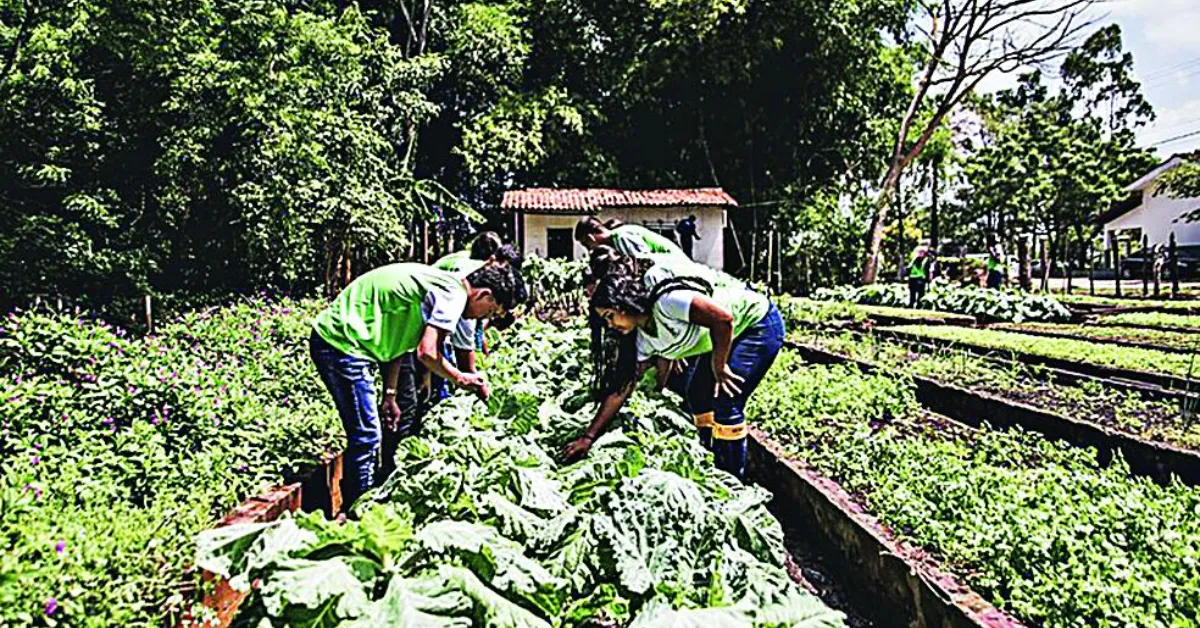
{"type": "Point", "coordinates": [719, 321]}
{"type": "Point", "coordinates": [608, 409]}
{"type": "Point", "coordinates": [429, 353]}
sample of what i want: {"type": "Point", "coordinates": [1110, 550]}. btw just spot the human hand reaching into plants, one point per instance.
{"type": "Point", "coordinates": [475, 383]}
{"type": "Point", "coordinates": [577, 448]}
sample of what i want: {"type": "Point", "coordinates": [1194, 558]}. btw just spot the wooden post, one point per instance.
{"type": "Point", "coordinates": [1157, 270]}
{"type": "Point", "coordinates": [1046, 264]}
{"type": "Point", "coordinates": [1067, 261]}
{"type": "Point", "coordinates": [1091, 263]}
{"type": "Point", "coordinates": [1116, 251]}
{"type": "Point", "coordinates": [1145, 266]}
{"type": "Point", "coordinates": [1173, 254]}
{"type": "Point", "coordinates": [149, 316]}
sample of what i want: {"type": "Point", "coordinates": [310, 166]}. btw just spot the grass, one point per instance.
{"type": "Point", "coordinates": [1159, 337]}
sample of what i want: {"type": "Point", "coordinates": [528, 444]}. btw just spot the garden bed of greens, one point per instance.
{"type": "Point", "coordinates": [1038, 528]}
{"type": "Point", "coordinates": [1167, 321]}
{"type": "Point", "coordinates": [481, 525]}
{"type": "Point", "coordinates": [985, 305]}
{"type": "Point", "coordinates": [1142, 337]}
{"type": "Point", "coordinates": [1016, 381]}
{"type": "Point", "coordinates": [810, 313]}
{"type": "Point", "coordinates": [120, 449]}
{"type": "Point", "coordinates": [1135, 362]}
{"type": "Point", "coordinates": [1185, 305]}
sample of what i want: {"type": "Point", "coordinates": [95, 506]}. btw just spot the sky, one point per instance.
{"type": "Point", "coordinates": [1164, 37]}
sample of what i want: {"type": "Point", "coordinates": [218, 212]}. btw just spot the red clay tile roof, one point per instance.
{"type": "Point", "coordinates": [585, 201]}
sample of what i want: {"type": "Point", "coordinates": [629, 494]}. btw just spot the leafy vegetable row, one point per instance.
{"type": "Point", "coordinates": [996, 305]}
{"type": "Point", "coordinates": [1164, 320]}
{"type": "Point", "coordinates": [118, 450]}
{"type": "Point", "coordinates": [1014, 380]}
{"type": "Point", "coordinates": [1115, 356]}
{"type": "Point", "coordinates": [481, 526]}
{"type": "Point", "coordinates": [1159, 337]}
{"type": "Point", "coordinates": [1036, 527]}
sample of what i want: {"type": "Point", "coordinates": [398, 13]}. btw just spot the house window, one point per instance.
{"type": "Point", "coordinates": [560, 244]}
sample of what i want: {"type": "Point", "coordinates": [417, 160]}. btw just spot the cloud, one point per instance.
{"type": "Point", "coordinates": [1168, 23]}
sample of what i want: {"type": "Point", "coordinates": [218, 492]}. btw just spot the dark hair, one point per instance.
{"type": "Point", "coordinates": [606, 260]}
{"type": "Point", "coordinates": [592, 225]}
{"type": "Point", "coordinates": [485, 245]}
{"type": "Point", "coordinates": [614, 363]}
{"type": "Point", "coordinates": [509, 254]}
{"type": "Point", "coordinates": [504, 281]}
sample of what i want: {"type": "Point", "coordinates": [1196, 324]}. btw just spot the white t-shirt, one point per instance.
{"type": "Point", "coordinates": [443, 309]}
{"type": "Point", "coordinates": [672, 335]}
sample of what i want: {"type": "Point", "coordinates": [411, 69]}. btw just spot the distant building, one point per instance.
{"type": "Point", "coordinates": [544, 218]}
{"type": "Point", "coordinates": [1152, 215]}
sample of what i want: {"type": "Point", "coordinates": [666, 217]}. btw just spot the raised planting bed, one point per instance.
{"type": "Point", "coordinates": [119, 450]}
{"type": "Point", "coordinates": [482, 525]}
{"type": "Point", "coordinates": [1137, 337]}
{"type": "Point", "coordinates": [1128, 304]}
{"type": "Point", "coordinates": [884, 315]}
{"type": "Point", "coordinates": [318, 490]}
{"type": "Point", "coordinates": [887, 576]}
{"type": "Point", "coordinates": [1040, 530]}
{"type": "Point", "coordinates": [804, 313]}
{"type": "Point", "coordinates": [1183, 323]}
{"type": "Point", "coordinates": [972, 406]}
{"type": "Point", "coordinates": [1160, 368]}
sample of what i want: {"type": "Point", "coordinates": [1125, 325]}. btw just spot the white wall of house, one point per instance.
{"type": "Point", "coordinates": [710, 222]}
{"type": "Point", "coordinates": [1157, 217]}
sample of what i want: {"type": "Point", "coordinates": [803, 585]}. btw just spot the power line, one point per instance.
{"type": "Point", "coordinates": [1171, 69]}
{"type": "Point", "coordinates": [1171, 140]}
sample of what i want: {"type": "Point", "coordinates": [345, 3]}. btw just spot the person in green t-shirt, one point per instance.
{"type": "Point", "coordinates": [997, 271]}
{"type": "Point", "coordinates": [733, 334]}
{"type": "Point", "coordinates": [380, 317]}
{"type": "Point", "coordinates": [919, 268]}
{"type": "Point", "coordinates": [628, 239]}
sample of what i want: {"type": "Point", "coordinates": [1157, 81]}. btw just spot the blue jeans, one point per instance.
{"type": "Point", "coordinates": [721, 420]}
{"type": "Point", "coordinates": [351, 382]}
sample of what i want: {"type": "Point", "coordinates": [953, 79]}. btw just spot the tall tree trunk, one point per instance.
{"type": "Point", "coordinates": [1024, 267]}
{"type": "Point", "coordinates": [934, 227]}
{"type": "Point", "coordinates": [899, 231]}
{"type": "Point", "coordinates": [870, 268]}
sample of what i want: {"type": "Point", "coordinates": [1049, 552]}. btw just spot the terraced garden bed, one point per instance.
{"type": "Point", "coordinates": [1153, 320]}
{"type": "Point", "coordinates": [1139, 337]}
{"type": "Point", "coordinates": [1161, 368]}
{"type": "Point", "coordinates": [1040, 529]}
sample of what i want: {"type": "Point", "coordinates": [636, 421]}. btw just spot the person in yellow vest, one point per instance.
{"type": "Point", "coordinates": [919, 267]}
{"type": "Point", "coordinates": [630, 240]}
{"type": "Point", "coordinates": [733, 334]}
{"type": "Point", "coordinates": [381, 316]}
{"type": "Point", "coordinates": [997, 271]}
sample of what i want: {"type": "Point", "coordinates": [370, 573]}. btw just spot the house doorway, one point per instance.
{"type": "Point", "coordinates": [560, 244]}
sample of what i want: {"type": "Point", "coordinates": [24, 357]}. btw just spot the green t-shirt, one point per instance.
{"type": "Point", "coordinates": [666, 266]}
{"type": "Point", "coordinates": [638, 241]}
{"type": "Point", "coordinates": [453, 261]}
{"type": "Point", "coordinates": [382, 314]}
{"type": "Point", "coordinates": [994, 265]}
{"type": "Point", "coordinates": [917, 267]}
{"type": "Point", "coordinates": [673, 336]}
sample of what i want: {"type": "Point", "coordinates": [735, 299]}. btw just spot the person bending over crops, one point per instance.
{"type": "Point", "coordinates": [377, 319]}
{"type": "Point", "coordinates": [628, 239]}
{"type": "Point", "coordinates": [735, 332]}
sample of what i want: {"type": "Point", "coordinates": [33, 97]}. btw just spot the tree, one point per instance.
{"type": "Point", "coordinates": [961, 42]}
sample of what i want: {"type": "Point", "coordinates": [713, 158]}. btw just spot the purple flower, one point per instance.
{"type": "Point", "coordinates": [51, 606]}
{"type": "Point", "coordinates": [59, 547]}
{"type": "Point", "coordinates": [36, 460]}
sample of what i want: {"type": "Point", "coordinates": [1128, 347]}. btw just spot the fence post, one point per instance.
{"type": "Point", "coordinates": [1145, 266]}
{"type": "Point", "coordinates": [1116, 251]}
{"type": "Point", "coordinates": [1091, 262]}
{"type": "Point", "coordinates": [149, 317]}
{"type": "Point", "coordinates": [1174, 255]}
{"type": "Point", "coordinates": [1158, 264]}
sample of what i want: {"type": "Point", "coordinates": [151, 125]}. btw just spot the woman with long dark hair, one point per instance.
{"type": "Point", "coordinates": [732, 334]}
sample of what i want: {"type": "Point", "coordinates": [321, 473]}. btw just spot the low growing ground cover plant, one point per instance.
{"type": "Point", "coordinates": [1014, 380]}
{"type": "Point", "coordinates": [119, 449]}
{"type": "Point", "coordinates": [1038, 528]}
{"type": "Point", "coordinates": [1141, 335]}
{"type": "Point", "coordinates": [1115, 356]}
{"type": "Point", "coordinates": [481, 526]}
{"type": "Point", "coordinates": [1164, 320]}
{"type": "Point", "coordinates": [987, 305]}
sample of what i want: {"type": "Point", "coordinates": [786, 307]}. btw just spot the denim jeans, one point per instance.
{"type": "Point", "coordinates": [721, 420]}
{"type": "Point", "coordinates": [351, 382]}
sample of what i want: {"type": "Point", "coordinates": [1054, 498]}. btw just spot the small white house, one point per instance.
{"type": "Point", "coordinates": [1155, 216]}
{"type": "Point", "coordinates": [544, 218]}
